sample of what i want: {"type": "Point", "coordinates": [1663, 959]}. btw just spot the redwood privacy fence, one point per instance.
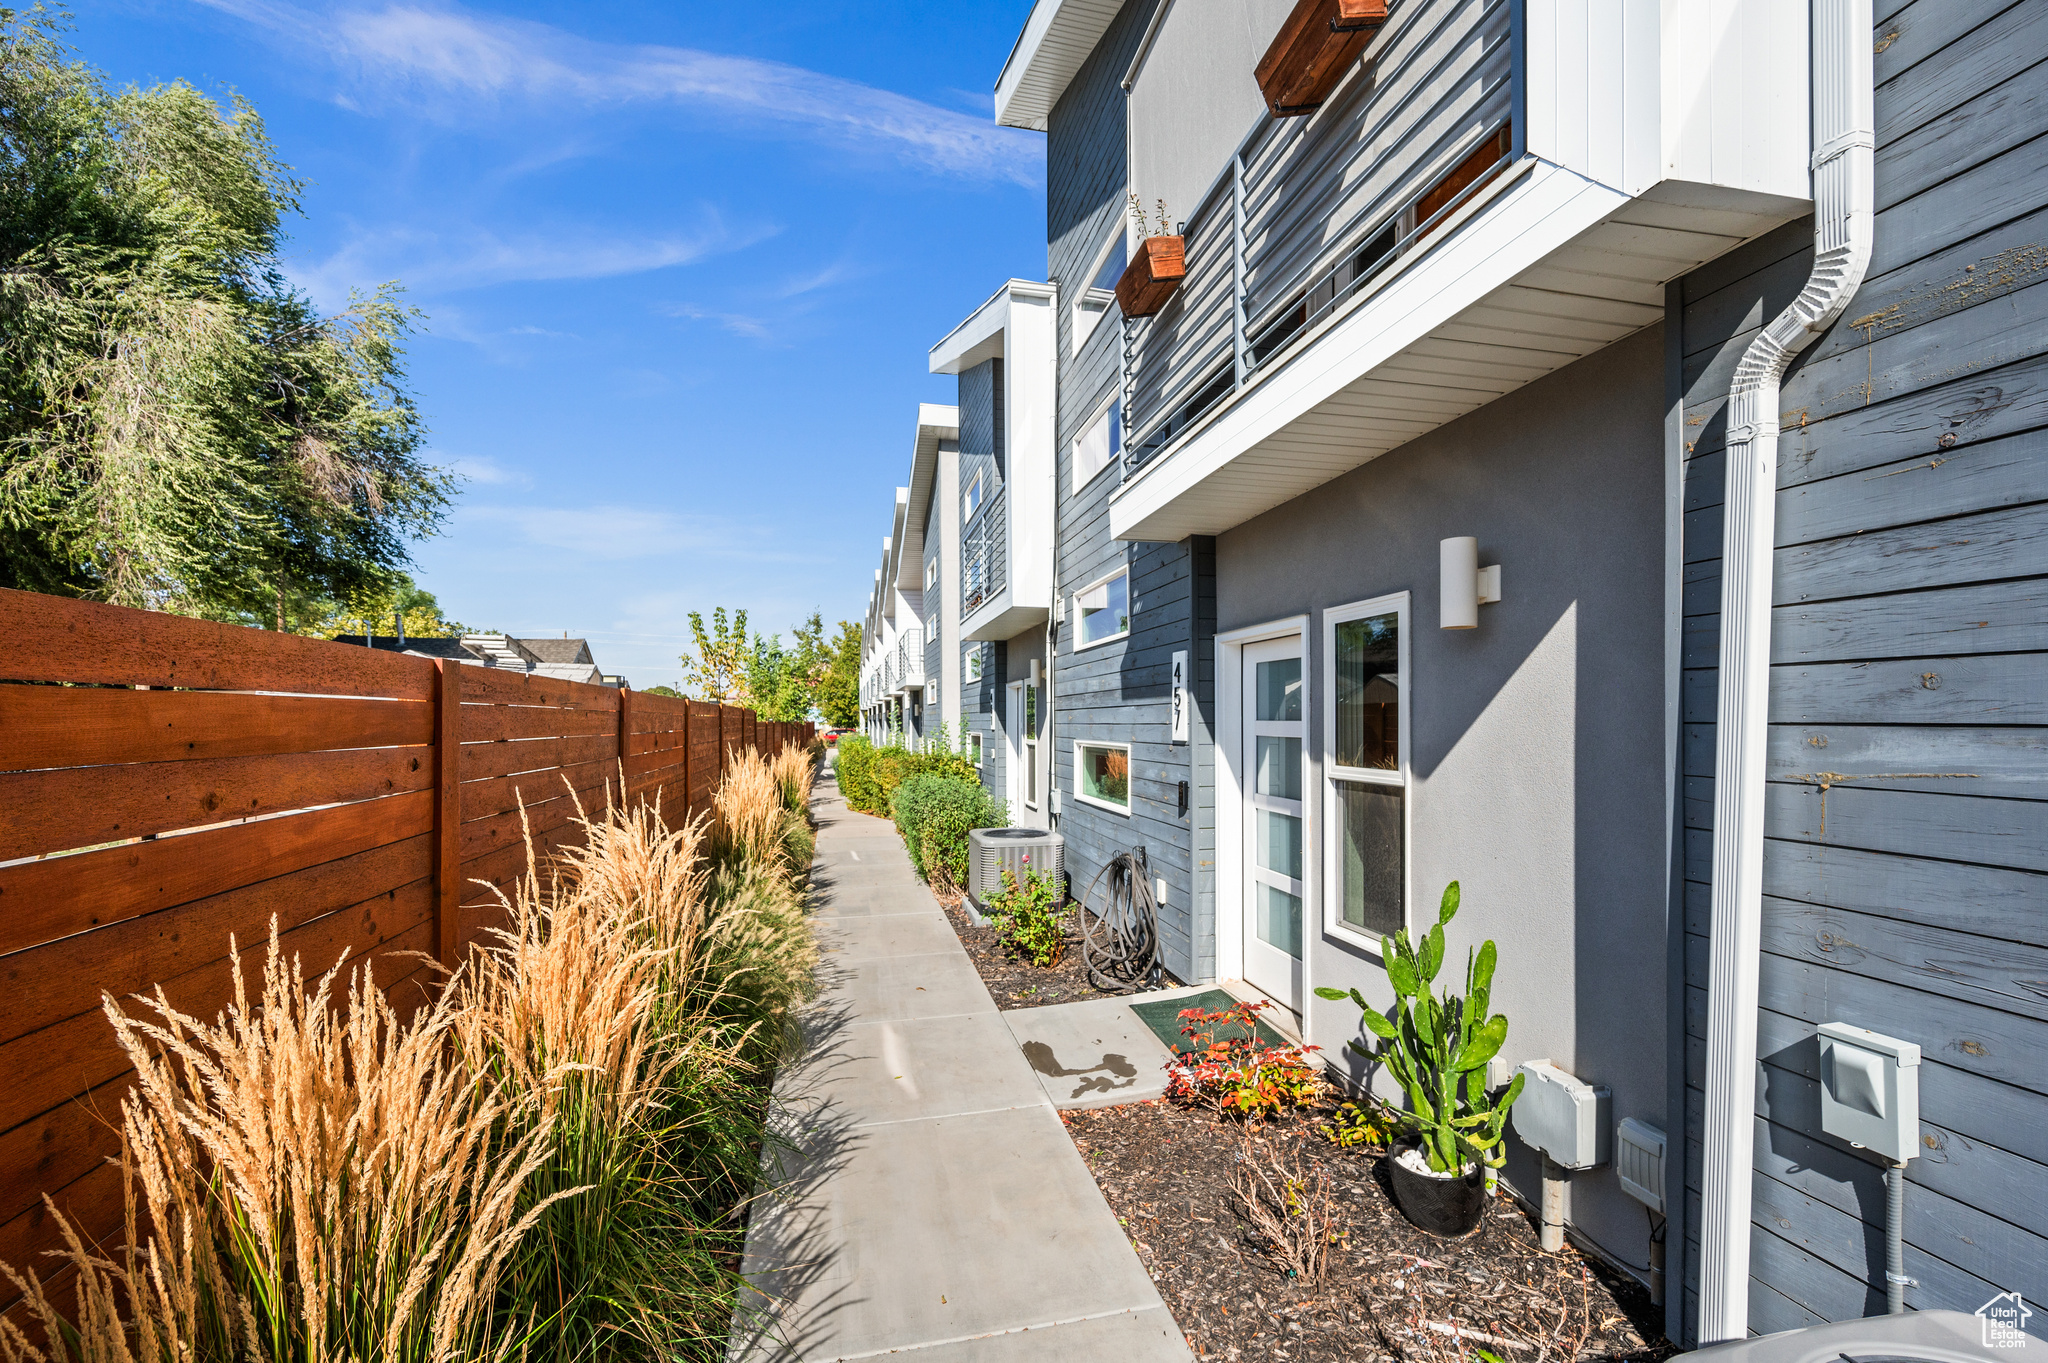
{"type": "Point", "coordinates": [165, 783]}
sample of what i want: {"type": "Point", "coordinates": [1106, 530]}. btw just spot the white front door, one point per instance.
{"type": "Point", "coordinates": [1013, 757]}
{"type": "Point", "coordinates": [1274, 732]}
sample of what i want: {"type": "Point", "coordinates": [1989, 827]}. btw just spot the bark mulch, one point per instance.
{"type": "Point", "coordinates": [1013, 981]}
{"type": "Point", "coordinates": [1389, 1291]}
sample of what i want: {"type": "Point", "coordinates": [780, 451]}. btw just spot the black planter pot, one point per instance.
{"type": "Point", "coordinates": [1442, 1206]}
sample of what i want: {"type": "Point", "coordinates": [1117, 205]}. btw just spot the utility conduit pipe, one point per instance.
{"type": "Point", "coordinates": [1843, 138]}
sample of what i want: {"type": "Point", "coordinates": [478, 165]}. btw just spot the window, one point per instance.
{"type": "Point", "coordinates": [1365, 647]}
{"type": "Point", "coordinates": [1099, 445]}
{"type": "Point", "coordinates": [1104, 609]}
{"type": "Point", "coordinates": [931, 573]}
{"type": "Point", "coordinates": [1030, 745]}
{"type": "Point", "coordinates": [1093, 302]}
{"type": "Point", "coordinates": [971, 503]}
{"type": "Point", "coordinates": [974, 663]}
{"type": "Point", "coordinates": [974, 748]}
{"type": "Point", "coordinates": [1102, 775]}
{"type": "Point", "coordinates": [931, 628]}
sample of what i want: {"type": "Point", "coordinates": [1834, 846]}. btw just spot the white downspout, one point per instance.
{"type": "Point", "coordinates": [1843, 137]}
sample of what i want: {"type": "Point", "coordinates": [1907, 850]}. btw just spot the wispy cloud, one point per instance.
{"type": "Point", "coordinates": [738, 323]}
{"type": "Point", "coordinates": [438, 54]}
{"type": "Point", "coordinates": [616, 533]}
{"type": "Point", "coordinates": [482, 470]}
{"type": "Point", "coordinates": [443, 261]}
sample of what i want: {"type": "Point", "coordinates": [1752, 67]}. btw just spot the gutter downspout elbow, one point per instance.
{"type": "Point", "coordinates": [1843, 140]}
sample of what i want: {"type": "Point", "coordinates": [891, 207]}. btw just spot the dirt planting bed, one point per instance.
{"type": "Point", "coordinates": [1389, 1291]}
{"type": "Point", "coordinates": [1013, 981]}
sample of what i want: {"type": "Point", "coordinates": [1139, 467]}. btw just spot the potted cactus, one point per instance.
{"type": "Point", "coordinates": [1436, 1048]}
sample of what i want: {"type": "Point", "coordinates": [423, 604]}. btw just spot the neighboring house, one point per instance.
{"type": "Point", "coordinates": [1500, 285]}
{"type": "Point", "coordinates": [565, 659]}
{"type": "Point", "coordinates": [896, 697]}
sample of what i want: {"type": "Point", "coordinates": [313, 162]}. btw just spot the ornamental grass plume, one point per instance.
{"type": "Point", "coordinates": [795, 768]}
{"type": "Point", "coordinates": [318, 1179]}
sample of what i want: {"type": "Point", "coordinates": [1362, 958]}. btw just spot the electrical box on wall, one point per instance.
{"type": "Point", "coordinates": [1870, 1090]}
{"type": "Point", "coordinates": [1639, 1162]}
{"type": "Point", "coordinates": [1563, 1116]}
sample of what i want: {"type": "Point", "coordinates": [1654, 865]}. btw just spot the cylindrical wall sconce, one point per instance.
{"type": "Point", "coordinates": [1465, 586]}
{"type": "Point", "coordinates": [1034, 671]}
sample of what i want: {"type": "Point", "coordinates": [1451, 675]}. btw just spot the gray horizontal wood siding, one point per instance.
{"type": "Point", "coordinates": [1906, 874]}
{"type": "Point", "coordinates": [1118, 692]}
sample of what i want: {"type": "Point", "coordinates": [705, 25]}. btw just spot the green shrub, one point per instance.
{"type": "Point", "coordinates": [935, 812]}
{"type": "Point", "coordinates": [856, 767]}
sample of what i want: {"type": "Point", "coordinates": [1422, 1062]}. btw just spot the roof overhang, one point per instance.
{"type": "Point", "coordinates": [1002, 616]}
{"type": "Point", "coordinates": [1545, 268]}
{"type": "Point", "coordinates": [1057, 39]}
{"type": "Point", "coordinates": [979, 339]}
{"type": "Point", "coordinates": [935, 426]}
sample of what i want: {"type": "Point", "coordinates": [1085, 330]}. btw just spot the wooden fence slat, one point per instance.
{"type": "Point", "coordinates": [480, 836]}
{"type": "Point", "coordinates": [482, 761]}
{"type": "Point", "coordinates": [65, 978]}
{"type": "Point", "coordinates": [482, 799]}
{"type": "Point", "coordinates": [69, 726]}
{"type": "Point", "coordinates": [485, 723]}
{"type": "Point", "coordinates": [54, 638]}
{"type": "Point", "coordinates": [60, 1146]}
{"type": "Point", "coordinates": [41, 901]}
{"type": "Point", "coordinates": [669, 740]}
{"type": "Point", "coordinates": [495, 686]}
{"type": "Point", "coordinates": [50, 811]}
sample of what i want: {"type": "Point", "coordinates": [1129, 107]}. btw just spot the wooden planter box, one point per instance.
{"type": "Point", "coordinates": [1152, 276]}
{"type": "Point", "coordinates": [1313, 50]}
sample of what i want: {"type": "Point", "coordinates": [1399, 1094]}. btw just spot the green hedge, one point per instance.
{"type": "Point", "coordinates": [935, 812]}
{"type": "Point", "coordinates": [868, 776]}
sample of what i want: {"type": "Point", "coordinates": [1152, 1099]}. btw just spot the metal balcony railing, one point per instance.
{"type": "Point", "coordinates": [910, 657]}
{"type": "Point", "coordinates": [1311, 210]}
{"type": "Point", "coordinates": [984, 554]}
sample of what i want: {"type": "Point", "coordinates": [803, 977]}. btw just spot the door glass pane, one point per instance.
{"type": "Point", "coordinates": [1279, 767]}
{"type": "Point", "coordinates": [1030, 773]}
{"type": "Point", "coordinates": [1369, 826]}
{"type": "Point", "coordinates": [1279, 842]}
{"type": "Point", "coordinates": [1280, 689]}
{"type": "Point", "coordinates": [1279, 919]}
{"type": "Point", "coordinates": [1369, 693]}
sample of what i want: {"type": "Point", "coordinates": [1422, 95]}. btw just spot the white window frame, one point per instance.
{"type": "Point", "coordinates": [931, 628]}
{"type": "Point", "coordinates": [1028, 703]}
{"type": "Point", "coordinates": [975, 748]}
{"type": "Point", "coordinates": [931, 572]}
{"type": "Point", "coordinates": [1090, 303]}
{"type": "Point", "coordinates": [970, 501]}
{"type": "Point", "coordinates": [1101, 413]}
{"type": "Point", "coordinates": [1130, 777]}
{"type": "Point", "coordinates": [1396, 604]}
{"type": "Point", "coordinates": [1130, 611]}
{"type": "Point", "coordinates": [971, 667]}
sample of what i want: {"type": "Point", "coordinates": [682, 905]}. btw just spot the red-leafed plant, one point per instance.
{"type": "Point", "coordinates": [1227, 1066]}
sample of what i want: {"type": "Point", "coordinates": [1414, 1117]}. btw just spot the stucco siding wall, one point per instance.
{"type": "Point", "coordinates": [1538, 767]}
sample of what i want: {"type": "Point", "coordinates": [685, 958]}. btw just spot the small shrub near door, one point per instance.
{"type": "Point", "coordinates": [1029, 916]}
{"type": "Point", "coordinates": [935, 813]}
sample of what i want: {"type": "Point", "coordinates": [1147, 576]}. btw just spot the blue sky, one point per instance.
{"type": "Point", "coordinates": [680, 263]}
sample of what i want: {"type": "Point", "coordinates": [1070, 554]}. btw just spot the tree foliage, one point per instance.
{"type": "Point", "coordinates": [180, 428]}
{"type": "Point", "coordinates": [719, 670]}
{"type": "Point", "coordinates": [785, 681]}
{"type": "Point", "coordinates": [839, 692]}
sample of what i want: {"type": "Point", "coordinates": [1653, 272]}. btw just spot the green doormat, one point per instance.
{"type": "Point", "coordinates": [1163, 1017]}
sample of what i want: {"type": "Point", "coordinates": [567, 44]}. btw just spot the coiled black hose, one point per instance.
{"type": "Point", "coordinates": [1120, 947]}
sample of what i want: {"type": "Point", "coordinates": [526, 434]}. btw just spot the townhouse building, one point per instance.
{"type": "Point", "coordinates": [1592, 453]}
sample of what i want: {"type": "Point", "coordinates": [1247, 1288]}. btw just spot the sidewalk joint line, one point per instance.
{"type": "Point", "coordinates": [947, 1116]}
{"type": "Point", "coordinates": [992, 1334]}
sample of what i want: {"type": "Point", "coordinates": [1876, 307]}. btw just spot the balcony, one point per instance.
{"type": "Point", "coordinates": [910, 657]}
{"type": "Point", "coordinates": [984, 557]}
{"type": "Point", "coordinates": [1453, 223]}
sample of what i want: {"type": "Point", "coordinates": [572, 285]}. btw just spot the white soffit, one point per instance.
{"type": "Point", "coordinates": [935, 425]}
{"type": "Point", "coordinates": [1550, 271]}
{"type": "Point", "coordinates": [1057, 39]}
{"type": "Point", "coordinates": [980, 338]}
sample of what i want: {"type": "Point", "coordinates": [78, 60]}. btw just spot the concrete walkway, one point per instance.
{"type": "Point", "coordinates": [931, 1203]}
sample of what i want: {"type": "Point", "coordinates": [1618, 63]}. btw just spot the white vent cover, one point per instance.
{"type": "Point", "coordinates": [1639, 1162]}
{"type": "Point", "coordinates": [991, 851]}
